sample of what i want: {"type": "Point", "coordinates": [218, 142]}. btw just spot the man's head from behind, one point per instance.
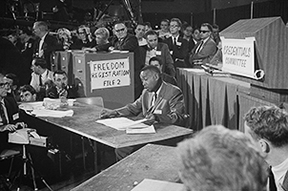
{"type": "Point", "coordinates": [267, 127]}
{"type": "Point", "coordinates": [27, 93]}
{"type": "Point", "coordinates": [151, 78]}
{"type": "Point", "coordinates": [151, 38]}
{"type": "Point", "coordinates": [221, 159]}
{"type": "Point", "coordinates": [60, 79]}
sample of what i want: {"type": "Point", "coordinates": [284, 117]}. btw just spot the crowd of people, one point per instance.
{"type": "Point", "coordinates": [215, 159]}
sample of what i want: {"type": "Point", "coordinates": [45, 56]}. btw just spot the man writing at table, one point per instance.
{"type": "Point", "coordinates": [159, 102]}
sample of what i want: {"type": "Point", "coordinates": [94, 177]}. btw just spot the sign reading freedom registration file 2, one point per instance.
{"type": "Point", "coordinates": [109, 73]}
{"type": "Point", "coordinates": [238, 56]}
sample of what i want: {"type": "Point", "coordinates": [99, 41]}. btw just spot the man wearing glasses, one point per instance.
{"type": "Point", "coordinates": [128, 42]}
{"type": "Point", "coordinates": [205, 49]}
{"type": "Point", "coordinates": [9, 114]}
{"type": "Point", "coordinates": [177, 45]}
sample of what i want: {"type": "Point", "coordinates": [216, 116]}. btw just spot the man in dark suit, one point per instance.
{"type": "Point", "coordinates": [129, 43]}
{"type": "Point", "coordinates": [45, 44]}
{"type": "Point", "coordinates": [160, 102]}
{"type": "Point", "coordinates": [59, 87]}
{"type": "Point", "coordinates": [205, 49]}
{"type": "Point", "coordinates": [177, 45]}
{"type": "Point", "coordinates": [9, 114]}
{"type": "Point", "coordinates": [159, 50]}
{"type": "Point", "coordinates": [267, 128]}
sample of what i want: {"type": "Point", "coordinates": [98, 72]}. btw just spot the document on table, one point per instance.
{"type": "Point", "coordinates": [144, 130]}
{"type": "Point", "coordinates": [122, 123]}
{"type": "Point", "coordinates": [158, 185]}
{"type": "Point", "coordinates": [52, 113]}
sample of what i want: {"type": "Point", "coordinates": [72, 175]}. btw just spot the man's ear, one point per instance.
{"type": "Point", "coordinates": [34, 96]}
{"type": "Point", "coordinates": [265, 146]}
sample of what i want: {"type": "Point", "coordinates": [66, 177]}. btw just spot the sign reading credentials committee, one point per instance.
{"type": "Point", "coordinates": [110, 73]}
{"type": "Point", "coordinates": [238, 56]}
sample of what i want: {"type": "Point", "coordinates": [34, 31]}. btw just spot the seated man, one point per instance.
{"type": "Point", "coordinates": [14, 85]}
{"type": "Point", "coordinates": [267, 127]}
{"type": "Point", "coordinates": [59, 87]}
{"type": "Point", "coordinates": [9, 114]}
{"type": "Point", "coordinates": [159, 102]}
{"type": "Point", "coordinates": [27, 93]}
{"type": "Point", "coordinates": [39, 76]}
{"type": "Point", "coordinates": [154, 61]}
{"type": "Point", "coordinates": [221, 159]}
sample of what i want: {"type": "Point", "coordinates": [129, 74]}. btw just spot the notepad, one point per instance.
{"type": "Point", "coordinates": [121, 123]}
{"type": "Point", "coordinates": [144, 130]}
{"type": "Point", "coordinates": [158, 185]}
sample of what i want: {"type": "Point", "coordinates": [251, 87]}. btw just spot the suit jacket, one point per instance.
{"type": "Point", "coordinates": [35, 83]}
{"type": "Point", "coordinates": [180, 51]}
{"type": "Point", "coordinates": [71, 90]}
{"type": "Point", "coordinates": [163, 53]}
{"type": "Point", "coordinates": [130, 43]}
{"type": "Point", "coordinates": [13, 116]}
{"type": "Point", "coordinates": [206, 53]}
{"type": "Point", "coordinates": [169, 106]}
{"type": "Point", "coordinates": [50, 45]}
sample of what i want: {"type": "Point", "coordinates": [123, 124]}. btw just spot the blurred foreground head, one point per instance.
{"type": "Point", "coordinates": [221, 159]}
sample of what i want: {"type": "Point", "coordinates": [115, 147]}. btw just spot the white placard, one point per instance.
{"type": "Point", "coordinates": [238, 56]}
{"type": "Point", "coordinates": [110, 73]}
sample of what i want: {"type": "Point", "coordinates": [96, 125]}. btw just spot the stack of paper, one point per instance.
{"type": "Point", "coordinates": [157, 185]}
{"type": "Point", "coordinates": [52, 113]}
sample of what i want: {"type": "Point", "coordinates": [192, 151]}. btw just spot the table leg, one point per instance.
{"type": "Point", "coordinates": [95, 156]}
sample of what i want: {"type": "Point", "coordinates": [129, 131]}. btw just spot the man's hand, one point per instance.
{"type": "Point", "coordinates": [8, 127]}
{"type": "Point", "coordinates": [108, 113]}
{"type": "Point", "coordinates": [150, 119]}
{"type": "Point", "coordinates": [21, 125]}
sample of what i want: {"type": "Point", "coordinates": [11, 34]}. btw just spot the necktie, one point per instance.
{"type": "Point", "coordinates": [40, 81]}
{"type": "Point", "coordinates": [199, 47]}
{"type": "Point", "coordinates": [174, 41]}
{"type": "Point", "coordinates": [271, 179]}
{"type": "Point", "coordinates": [2, 114]}
{"type": "Point", "coordinates": [154, 99]}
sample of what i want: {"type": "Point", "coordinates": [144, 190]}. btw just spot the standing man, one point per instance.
{"type": "Point", "coordinates": [160, 102]}
{"type": "Point", "coordinates": [159, 50]}
{"type": "Point", "coordinates": [177, 45]}
{"type": "Point", "coordinates": [129, 43]}
{"type": "Point", "coordinates": [205, 49]}
{"type": "Point", "coordinates": [267, 128]}
{"type": "Point", "coordinates": [9, 114]}
{"type": "Point", "coordinates": [46, 43]}
{"type": "Point", "coordinates": [40, 76]}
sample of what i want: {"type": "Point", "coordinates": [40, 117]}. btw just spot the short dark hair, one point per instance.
{"type": "Point", "coordinates": [40, 62]}
{"type": "Point", "coordinates": [151, 32]}
{"type": "Point", "coordinates": [155, 59]}
{"type": "Point", "coordinates": [152, 69]}
{"type": "Point", "coordinates": [147, 24]}
{"type": "Point", "coordinates": [14, 78]}
{"type": "Point", "coordinates": [28, 88]}
{"type": "Point", "coordinates": [268, 122]}
{"type": "Point", "coordinates": [208, 26]}
{"type": "Point", "coordinates": [165, 20]}
{"type": "Point", "coordinates": [61, 72]}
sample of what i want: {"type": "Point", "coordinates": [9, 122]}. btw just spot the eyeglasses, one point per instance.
{"type": "Point", "coordinates": [203, 31]}
{"type": "Point", "coordinates": [5, 84]}
{"type": "Point", "coordinates": [173, 26]}
{"type": "Point", "coordinates": [120, 30]}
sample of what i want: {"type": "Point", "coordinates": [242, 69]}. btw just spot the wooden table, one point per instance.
{"type": "Point", "coordinates": [84, 123]}
{"type": "Point", "coordinates": [151, 161]}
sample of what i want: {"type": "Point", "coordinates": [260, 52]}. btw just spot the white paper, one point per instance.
{"type": "Point", "coordinates": [158, 185]}
{"type": "Point", "coordinates": [53, 113]}
{"type": "Point", "coordinates": [144, 130]}
{"type": "Point", "coordinates": [121, 123]}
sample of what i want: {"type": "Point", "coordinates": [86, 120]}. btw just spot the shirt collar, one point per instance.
{"type": "Point", "coordinates": [43, 37]}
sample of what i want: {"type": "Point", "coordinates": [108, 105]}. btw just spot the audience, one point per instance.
{"type": "Point", "coordinates": [158, 49]}
{"type": "Point", "coordinates": [85, 38]}
{"type": "Point", "coordinates": [164, 31]}
{"type": "Point", "coordinates": [102, 42]}
{"type": "Point", "coordinates": [64, 38]}
{"type": "Point", "coordinates": [27, 93]}
{"type": "Point", "coordinates": [40, 76]}
{"type": "Point", "coordinates": [221, 159]}
{"type": "Point", "coordinates": [177, 45]}
{"type": "Point", "coordinates": [154, 61]}
{"type": "Point", "coordinates": [205, 49]}
{"type": "Point", "coordinates": [267, 128]}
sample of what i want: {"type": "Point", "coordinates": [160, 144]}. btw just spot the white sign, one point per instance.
{"type": "Point", "coordinates": [238, 56]}
{"type": "Point", "coordinates": [110, 73]}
